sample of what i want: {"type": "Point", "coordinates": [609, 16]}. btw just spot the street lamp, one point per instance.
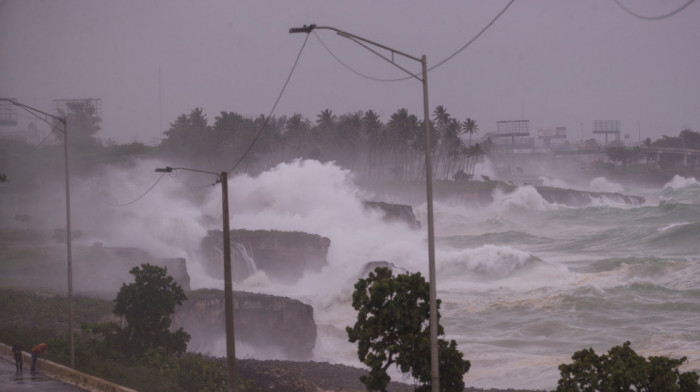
{"type": "Point", "coordinates": [434, 365]}
{"type": "Point", "coordinates": [69, 247]}
{"type": "Point", "coordinates": [228, 287]}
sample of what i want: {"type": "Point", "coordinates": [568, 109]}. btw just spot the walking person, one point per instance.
{"type": "Point", "coordinates": [17, 351]}
{"type": "Point", "coordinates": [36, 351]}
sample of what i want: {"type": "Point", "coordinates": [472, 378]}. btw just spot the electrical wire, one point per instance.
{"type": "Point", "coordinates": [267, 119]}
{"type": "Point", "coordinates": [349, 68]}
{"type": "Point", "coordinates": [191, 187]}
{"type": "Point", "coordinates": [54, 127]}
{"type": "Point", "coordinates": [138, 198]}
{"type": "Point", "coordinates": [664, 16]}
{"type": "Point", "coordinates": [41, 143]}
{"type": "Point", "coordinates": [33, 149]}
{"type": "Point", "coordinates": [448, 58]}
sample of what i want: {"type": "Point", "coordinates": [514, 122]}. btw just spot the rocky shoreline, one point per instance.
{"type": "Point", "coordinates": [312, 376]}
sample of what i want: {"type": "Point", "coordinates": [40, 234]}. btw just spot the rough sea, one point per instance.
{"type": "Point", "coordinates": [524, 283]}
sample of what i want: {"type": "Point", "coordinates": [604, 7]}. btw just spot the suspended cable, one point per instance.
{"type": "Point", "coordinates": [191, 187]}
{"type": "Point", "coordinates": [34, 148]}
{"type": "Point", "coordinates": [347, 66]}
{"type": "Point", "coordinates": [670, 14]}
{"type": "Point", "coordinates": [138, 198]}
{"type": "Point", "coordinates": [267, 119]}
{"type": "Point", "coordinates": [41, 143]}
{"type": "Point", "coordinates": [448, 58]}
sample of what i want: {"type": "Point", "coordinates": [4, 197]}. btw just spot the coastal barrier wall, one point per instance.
{"type": "Point", "coordinates": [66, 374]}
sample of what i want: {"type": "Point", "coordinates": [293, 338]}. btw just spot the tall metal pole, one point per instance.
{"type": "Point", "coordinates": [365, 43]}
{"type": "Point", "coordinates": [228, 289]}
{"type": "Point", "coordinates": [228, 286]}
{"type": "Point", "coordinates": [434, 364]}
{"type": "Point", "coordinates": [69, 247]}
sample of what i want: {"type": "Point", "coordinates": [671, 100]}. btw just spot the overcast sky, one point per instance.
{"type": "Point", "coordinates": [553, 62]}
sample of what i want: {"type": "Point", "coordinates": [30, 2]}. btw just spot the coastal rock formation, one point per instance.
{"type": "Point", "coordinates": [576, 198]}
{"type": "Point", "coordinates": [283, 256]}
{"type": "Point", "coordinates": [481, 193]}
{"type": "Point", "coordinates": [395, 212]}
{"type": "Point", "coordinates": [270, 324]}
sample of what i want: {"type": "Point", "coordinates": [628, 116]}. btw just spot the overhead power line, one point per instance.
{"type": "Point", "coordinates": [448, 58]}
{"type": "Point", "coordinates": [349, 68]}
{"type": "Point", "coordinates": [244, 154]}
{"type": "Point", "coordinates": [138, 198]}
{"type": "Point", "coordinates": [659, 17]}
{"type": "Point", "coordinates": [267, 119]}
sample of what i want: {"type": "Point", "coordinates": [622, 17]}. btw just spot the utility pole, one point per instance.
{"type": "Point", "coordinates": [69, 247]}
{"type": "Point", "coordinates": [228, 285]}
{"type": "Point", "coordinates": [371, 45]}
{"type": "Point", "coordinates": [228, 288]}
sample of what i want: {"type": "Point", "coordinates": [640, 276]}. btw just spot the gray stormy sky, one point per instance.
{"type": "Point", "coordinates": [554, 62]}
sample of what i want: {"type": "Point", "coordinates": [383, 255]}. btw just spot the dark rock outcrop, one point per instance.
{"type": "Point", "coordinates": [283, 256]}
{"type": "Point", "coordinates": [265, 322]}
{"type": "Point", "coordinates": [395, 212]}
{"type": "Point", "coordinates": [576, 198]}
{"type": "Point", "coordinates": [480, 193]}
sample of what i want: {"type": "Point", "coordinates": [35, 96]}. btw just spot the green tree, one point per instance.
{"type": "Point", "coordinates": [189, 138]}
{"type": "Point", "coordinates": [622, 369]}
{"type": "Point", "coordinates": [83, 124]}
{"type": "Point", "coordinates": [469, 127]}
{"type": "Point", "coordinates": [392, 328]}
{"type": "Point", "coordinates": [147, 305]}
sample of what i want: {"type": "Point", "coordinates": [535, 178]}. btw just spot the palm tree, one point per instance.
{"type": "Point", "coordinates": [441, 116]}
{"type": "Point", "coordinates": [474, 151]}
{"type": "Point", "coordinates": [326, 119]}
{"type": "Point", "coordinates": [323, 132]}
{"type": "Point", "coordinates": [403, 134]}
{"type": "Point", "coordinates": [298, 135]}
{"type": "Point", "coordinates": [470, 127]}
{"type": "Point", "coordinates": [347, 137]}
{"type": "Point", "coordinates": [442, 121]}
{"type": "Point", "coordinates": [374, 141]}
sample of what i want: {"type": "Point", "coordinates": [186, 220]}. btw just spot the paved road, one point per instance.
{"type": "Point", "coordinates": [11, 381]}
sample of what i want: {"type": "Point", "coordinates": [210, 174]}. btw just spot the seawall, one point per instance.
{"type": "Point", "coordinates": [66, 374]}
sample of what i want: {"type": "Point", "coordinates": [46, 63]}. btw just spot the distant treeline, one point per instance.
{"type": "Point", "coordinates": [359, 141]}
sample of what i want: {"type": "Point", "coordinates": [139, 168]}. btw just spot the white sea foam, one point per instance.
{"type": "Point", "coordinates": [679, 182]}
{"type": "Point", "coordinates": [494, 296]}
{"type": "Point", "coordinates": [163, 222]}
{"type": "Point", "coordinates": [602, 184]}
{"type": "Point", "coordinates": [672, 226]}
{"type": "Point", "coordinates": [485, 261]}
{"type": "Point", "coordinates": [524, 197]}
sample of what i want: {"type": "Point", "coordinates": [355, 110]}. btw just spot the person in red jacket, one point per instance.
{"type": "Point", "coordinates": [36, 351]}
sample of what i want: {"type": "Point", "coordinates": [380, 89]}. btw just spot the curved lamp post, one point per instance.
{"type": "Point", "coordinates": [228, 287]}
{"type": "Point", "coordinates": [69, 247]}
{"type": "Point", "coordinates": [367, 44]}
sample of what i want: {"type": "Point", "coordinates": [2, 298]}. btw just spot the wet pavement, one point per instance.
{"type": "Point", "coordinates": [10, 381]}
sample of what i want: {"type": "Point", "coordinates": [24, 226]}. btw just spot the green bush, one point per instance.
{"type": "Point", "coordinates": [392, 328]}
{"type": "Point", "coordinates": [622, 369]}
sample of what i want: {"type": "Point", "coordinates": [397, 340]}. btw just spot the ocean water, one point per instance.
{"type": "Point", "coordinates": [524, 283]}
